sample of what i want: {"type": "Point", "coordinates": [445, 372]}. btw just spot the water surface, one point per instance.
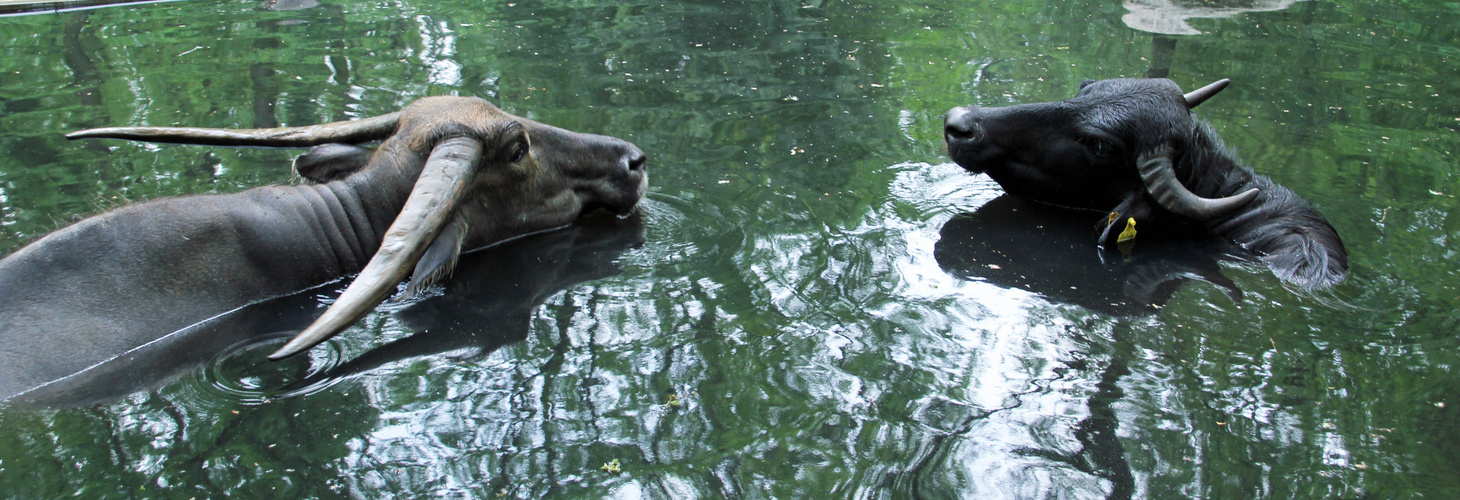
{"type": "Point", "coordinates": [807, 304]}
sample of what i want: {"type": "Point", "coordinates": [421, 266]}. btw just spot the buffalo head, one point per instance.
{"type": "Point", "coordinates": [1081, 152]}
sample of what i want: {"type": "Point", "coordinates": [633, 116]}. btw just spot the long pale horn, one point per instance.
{"type": "Point", "coordinates": [1161, 182]}
{"type": "Point", "coordinates": [1196, 97]}
{"type": "Point", "coordinates": [351, 132]}
{"type": "Point", "coordinates": [440, 188]}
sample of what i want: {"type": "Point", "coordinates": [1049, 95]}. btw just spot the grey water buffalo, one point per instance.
{"type": "Point", "coordinates": [1132, 149]}
{"type": "Point", "coordinates": [450, 173]}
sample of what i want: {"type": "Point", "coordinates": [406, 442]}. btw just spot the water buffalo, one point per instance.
{"type": "Point", "coordinates": [1132, 149]}
{"type": "Point", "coordinates": [451, 173]}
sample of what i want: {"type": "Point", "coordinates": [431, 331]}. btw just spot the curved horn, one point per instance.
{"type": "Point", "coordinates": [439, 189]}
{"type": "Point", "coordinates": [1160, 179]}
{"type": "Point", "coordinates": [352, 131]}
{"type": "Point", "coordinates": [1196, 97]}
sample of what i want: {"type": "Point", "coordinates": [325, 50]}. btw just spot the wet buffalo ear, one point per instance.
{"type": "Point", "coordinates": [439, 260]}
{"type": "Point", "coordinates": [328, 162]}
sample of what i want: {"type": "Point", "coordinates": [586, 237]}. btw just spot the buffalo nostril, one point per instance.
{"type": "Point", "coordinates": [637, 160]}
{"type": "Point", "coordinates": [957, 125]}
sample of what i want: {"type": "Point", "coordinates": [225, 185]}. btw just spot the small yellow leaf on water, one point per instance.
{"type": "Point", "coordinates": [612, 467]}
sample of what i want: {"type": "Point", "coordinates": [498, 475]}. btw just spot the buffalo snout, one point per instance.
{"type": "Point", "coordinates": [635, 159]}
{"type": "Point", "coordinates": [629, 182]}
{"type": "Point", "coordinates": [959, 125]}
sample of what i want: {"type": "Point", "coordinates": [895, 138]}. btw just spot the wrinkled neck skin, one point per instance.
{"type": "Point", "coordinates": [116, 281]}
{"type": "Point", "coordinates": [381, 189]}
{"type": "Point", "coordinates": [1298, 242]}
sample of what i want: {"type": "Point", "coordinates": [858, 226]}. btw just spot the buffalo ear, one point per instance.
{"type": "Point", "coordinates": [1086, 83]}
{"type": "Point", "coordinates": [328, 162]}
{"type": "Point", "coordinates": [439, 260]}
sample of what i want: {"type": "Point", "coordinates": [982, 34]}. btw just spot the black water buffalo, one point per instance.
{"type": "Point", "coordinates": [1132, 149]}
{"type": "Point", "coordinates": [451, 173]}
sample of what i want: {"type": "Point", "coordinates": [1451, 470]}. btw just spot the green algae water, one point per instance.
{"type": "Point", "coordinates": [812, 301]}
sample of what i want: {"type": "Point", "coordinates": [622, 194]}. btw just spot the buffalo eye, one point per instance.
{"type": "Point", "coordinates": [1096, 146]}
{"type": "Point", "coordinates": [519, 151]}
{"type": "Point", "coordinates": [1099, 143]}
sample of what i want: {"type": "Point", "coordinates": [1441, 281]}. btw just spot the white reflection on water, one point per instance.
{"type": "Point", "coordinates": [439, 41]}
{"type": "Point", "coordinates": [858, 351]}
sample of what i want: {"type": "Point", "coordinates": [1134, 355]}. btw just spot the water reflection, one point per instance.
{"type": "Point", "coordinates": [290, 4]}
{"type": "Point", "coordinates": [1050, 251]}
{"type": "Point", "coordinates": [797, 307]}
{"type": "Point", "coordinates": [1169, 16]}
{"type": "Point", "coordinates": [491, 297]}
{"type": "Point", "coordinates": [1166, 21]}
{"type": "Point", "coordinates": [487, 304]}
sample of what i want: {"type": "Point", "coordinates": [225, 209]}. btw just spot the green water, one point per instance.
{"type": "Point", "coordinates": [795, 312]}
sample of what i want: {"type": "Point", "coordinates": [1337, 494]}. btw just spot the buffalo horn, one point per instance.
{"type": "Point", "coordinates": [440, 188]}
{"type": "Point", "coordinates": [350, 132]}
{"type": "Point", "coordinates": [1196, 97]}
{"type": "Point", "coordinates": [1161, 182]}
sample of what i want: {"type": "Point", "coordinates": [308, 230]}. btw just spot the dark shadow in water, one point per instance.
{"type": "Point", "coordinates": [1051, 251]}
{"type": "Point", "coordinates": [487, 304]}
{"type": "Point", "coordinates": [80, 41]}
{"type": "Point", "coordinates": [490, 299]}
{"type": "Point", "coordinates": [1163, 52]}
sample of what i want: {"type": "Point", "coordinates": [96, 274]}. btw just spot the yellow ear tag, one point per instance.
{"type": "Point", "coordinates": [1129, 233]}
{"type": "Point", "coordinates": [1110, 221]}
{"type": "Point", "coordinates": [1127, 239]}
